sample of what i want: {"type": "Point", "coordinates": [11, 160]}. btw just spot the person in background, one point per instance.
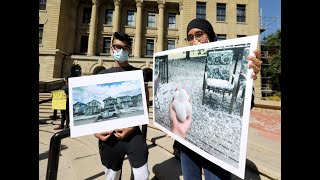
{"type": "Point", "coordinates": [65, 113]}
{"type": "Point", "coordinates": [200, 31]}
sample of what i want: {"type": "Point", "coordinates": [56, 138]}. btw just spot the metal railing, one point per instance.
{"type": "Point", "coordinates": [55, 147]}
{"type": "Point", "coordinates": [54, 153]}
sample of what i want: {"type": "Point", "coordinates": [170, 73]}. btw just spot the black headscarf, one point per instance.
{"type": "Point", "coordinates": [204, 25]}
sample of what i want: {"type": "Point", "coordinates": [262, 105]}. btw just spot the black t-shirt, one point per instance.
{"type": "Point", "coordinates": [120, 69]}
{"type": "Point", "coordinates": [124, 68]}
{"type": "Point", "coordinates": [65, 88]}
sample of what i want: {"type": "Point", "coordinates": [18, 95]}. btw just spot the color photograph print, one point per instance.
{"type": "Point", "coordinates": [106, 102]}
{"type": "Point", "coordinates": [208, 90]}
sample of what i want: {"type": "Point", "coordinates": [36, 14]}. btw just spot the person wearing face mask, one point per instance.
{"type": "Point", "coordinates": [114, 145]}
{"type": "Point", "coordinates": [200, 31]}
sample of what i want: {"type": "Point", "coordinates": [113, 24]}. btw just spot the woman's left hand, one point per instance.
{"type": "Point", "coordinates": [255, 64]}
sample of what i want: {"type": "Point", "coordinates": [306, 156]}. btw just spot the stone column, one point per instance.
{"type": "Point", "coordinates": [93, 28]}
{"type": "Point", "coordinates": [161, 5]}
{"type": "Point", "coordinates": [182, 31]}
{"type": "Point", "coordinates": [116, 16]}
{"type": "Point", "coordinates": [137, 44]}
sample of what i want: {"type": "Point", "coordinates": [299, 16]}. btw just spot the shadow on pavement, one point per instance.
{"type": "Point", "coordinates": [153, 140]}
{"type": "Point", "coordinates": [45, 154]}
{"type": "Point", "coordinates": [169, 169]}
{"type": "Point", "coordinates": [251, 172]}
{"type": "Point", "coordinates": [95, 176]}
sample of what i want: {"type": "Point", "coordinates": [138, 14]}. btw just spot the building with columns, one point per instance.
{"type": "Point", "coordinates": [78, 33]}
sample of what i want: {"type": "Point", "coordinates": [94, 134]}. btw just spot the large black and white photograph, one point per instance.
{"type": "Point", "coordinates": [202, 98]}
{"type": "Point", "coordinates": [107, 102]}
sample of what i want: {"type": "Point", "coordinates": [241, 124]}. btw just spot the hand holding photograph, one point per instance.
{"type": "Point", "coordinates": [105, 102]}
{"type": "Point", "coordinates": [180, 110]}
{"type": "Point", "coordinates": [182, 105]}
{"type": "Point", "coordinates": [202, 98]}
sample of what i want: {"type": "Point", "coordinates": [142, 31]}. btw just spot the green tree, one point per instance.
{"type": "Point", "coordinates": [272, 44]}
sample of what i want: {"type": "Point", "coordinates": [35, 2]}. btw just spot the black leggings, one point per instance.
{"type": "Point", "coordinates": [65, 116]}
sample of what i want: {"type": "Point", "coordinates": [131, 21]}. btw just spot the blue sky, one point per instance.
{"type": "Point", "coordinates": [270, 10]}
{"type": "Point", "coordinates": [99, 92]}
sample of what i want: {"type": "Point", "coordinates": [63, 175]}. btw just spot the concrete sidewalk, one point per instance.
{"type": "Point", "coordinates": [80, 158]}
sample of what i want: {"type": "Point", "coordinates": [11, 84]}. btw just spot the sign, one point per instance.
{"type": "Point", "coordinates": [59, 100]}
{"type": "Point", "coordinates": [214, 79]}
{"type": "Point", "coordinates": [105, 102]}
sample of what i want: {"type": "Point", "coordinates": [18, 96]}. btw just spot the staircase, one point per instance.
{"type": "Point", "coordinates": [46, 111]}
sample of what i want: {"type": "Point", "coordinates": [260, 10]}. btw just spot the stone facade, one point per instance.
{"type": "Point", "coordinates": [74, 31]}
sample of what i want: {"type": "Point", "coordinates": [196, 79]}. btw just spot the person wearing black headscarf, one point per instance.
{"type": "Point", "coordinates": [200, 31]}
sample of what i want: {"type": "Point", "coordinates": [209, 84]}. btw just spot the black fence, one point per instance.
{"type": "Point", "coordinates": [54, 153]}
{"type": "Point", "coordinates": [55, 146]}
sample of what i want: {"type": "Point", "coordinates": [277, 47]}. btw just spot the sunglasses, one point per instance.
{"type": "Point", "coordinates": [197, 34]}
{"type": "Point", "coordinates": [118, 47]}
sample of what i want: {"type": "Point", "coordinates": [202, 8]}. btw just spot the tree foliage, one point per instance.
{"type": "Point", "coordinates": [272, 44]}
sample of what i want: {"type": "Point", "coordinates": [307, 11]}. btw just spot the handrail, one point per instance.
{"type": "Point", "coordinates": [54, 153]}
{"type": "Point", "coordinates": [55, 146]}
{"type": "Point", "coordinates": [45, 100]}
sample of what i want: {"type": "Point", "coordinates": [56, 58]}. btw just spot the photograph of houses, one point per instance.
{"type": "Point", "coordinates": [110, 104]}
{"type": "Point", "coordinates": [216, 79]}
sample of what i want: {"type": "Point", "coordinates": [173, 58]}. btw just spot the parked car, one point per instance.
{"type": "Point", "coordinates": [109, 113]}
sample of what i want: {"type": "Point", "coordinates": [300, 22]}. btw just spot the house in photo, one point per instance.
{"type": "Point", "coordinates": [93, 107]}
{"type": "Point", "coordinates": [78, 108]}
{"type": "Point", "coordinates": [124, 102]}
{"type": "Point", "coordinates": [110, 103]}
{"type": "Point", "coordinates": [137, 100]}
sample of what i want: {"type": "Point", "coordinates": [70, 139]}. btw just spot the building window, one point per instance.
{"type": "Point", "coordinates": [151, 19]}
{"type": "Point", "coordinates": [130, 53]}
{"type": "Point", "coordinates": [241, 13]}
{"type": "Point", "coordinates": [42, 4]}
{"type": "Point", "coordinates": [86, 15]}
{"type": "Point", "coordinates": [221, 12]}
{"type": "Point", "coordinates": [40, 33]}
{"type": "Point", "coordinates": [150, 47]}
{"type": "Point", "coordinates": [171, 44]}
{"type": "Point", "coordinates": [201, 10]}
{"type": "Point", "coordinates": [239, 36]}
{"type": "Point", "coordinates": [106, 45]}
{"type": "Point", "coordinates": [108, 17]}
{"type": "Point", "coordinates": [221, 37]}
{"type": "Point", "coordinates": [172, 20]}
{"type": "Point", "coordinates": [130, 18]}
{"type": "Point", "coordinates": [84, 44]}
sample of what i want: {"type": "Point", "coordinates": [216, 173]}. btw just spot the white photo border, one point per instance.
{"type": "Point", "coordinates": [91, 128]}
{"type": "Point", "coordinates": [240, 171]}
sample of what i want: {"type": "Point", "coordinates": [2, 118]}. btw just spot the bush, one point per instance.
{"type": "Point", "coordinates": [272, 98]}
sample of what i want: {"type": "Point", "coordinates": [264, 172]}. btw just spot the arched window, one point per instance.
{"type": "Point", "coordinates": [98, 69]}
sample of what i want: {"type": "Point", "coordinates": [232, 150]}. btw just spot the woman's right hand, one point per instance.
{"type": "Point", "coordinates": [103, 136]}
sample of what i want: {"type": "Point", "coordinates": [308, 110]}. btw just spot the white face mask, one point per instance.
{"type": "Point", "coordinates": [121, 56]}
